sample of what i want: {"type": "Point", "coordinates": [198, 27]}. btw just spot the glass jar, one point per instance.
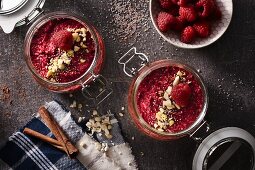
{"type": "Point", "coordinates": [93, 71]}
{"type": "Point", "coordinates": [143, 68]}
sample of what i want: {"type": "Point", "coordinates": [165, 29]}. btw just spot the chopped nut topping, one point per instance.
{"type": "Point", "coordinates": [171, 122]}
{"type": "Point", "coordinates": [121, 114]}
{"type": "Point", "coordinates": [82, 60]}
{"type": "Point", "coordinates": [100, 124]}
{"type": "Point", "coordinates": [60, 63]}
{"type": "Point", "coordinates": [76, 48]}
{"type": "Point", "coordinates": [163, 116]}
{"type": "Point", "coordinates": [176, 80]}
{"type": "Point", "coordinates": [75, 36]}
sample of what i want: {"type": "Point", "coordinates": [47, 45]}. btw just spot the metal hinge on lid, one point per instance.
{"type": "Point", "coordinates": [133, 62]}
{"type": "Point", "coordinates": [36, 11]}
{"type": "Point", "coordinates": [96, 88]}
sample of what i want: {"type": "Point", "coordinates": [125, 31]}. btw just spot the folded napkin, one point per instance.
{"type": "Point", "coordinates": [25, 152]}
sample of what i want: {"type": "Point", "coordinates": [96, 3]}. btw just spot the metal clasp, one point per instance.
{"type": "Point", "coordinates": [33, 15]}
{"type": "Point", "coordinates": [133, 62]}
{"type": "Point", "coordinates": [96, 88]}
{"type": "Point", "coordinates": [199, 139]}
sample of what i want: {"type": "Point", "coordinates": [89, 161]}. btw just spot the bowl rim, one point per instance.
{"type": "Point", "coordinates": [191, 46]}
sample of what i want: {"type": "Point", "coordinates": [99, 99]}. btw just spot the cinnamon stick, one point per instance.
{"type": "Point", "coordinates": [69, 148]}
{"type": "Point", "coordinates": [44, 138]}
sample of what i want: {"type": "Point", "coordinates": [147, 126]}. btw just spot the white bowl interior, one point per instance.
{"type": "Point", "coordinates": [218, 26]}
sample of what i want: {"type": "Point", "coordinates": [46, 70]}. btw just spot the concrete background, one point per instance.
{"type": "Point", "coordinates": [227, 67]}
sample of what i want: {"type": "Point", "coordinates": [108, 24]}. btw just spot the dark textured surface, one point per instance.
{"type": "Point", "coordinates": [227, 67]}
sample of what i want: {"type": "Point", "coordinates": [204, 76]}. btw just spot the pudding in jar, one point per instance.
{"type": "Point", "coordinates": [170, 99]}
{"type": "Point", "coordinates": [62, 50]}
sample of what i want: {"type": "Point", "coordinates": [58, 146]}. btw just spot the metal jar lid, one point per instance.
{"type": "Point", "coordinates": [228, 148]}
{"type": "Point", "coordinates": [15, 13]}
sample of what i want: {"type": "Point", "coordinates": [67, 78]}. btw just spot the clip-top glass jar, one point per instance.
{"type": "Point", "coordinates": [93, 70]}
{"type": "Point", "coordinates": [226, 148]}
{"type": "Point", "coordinates": [137, 64]}
{"type": "Point", "coordinates": [77, 72]}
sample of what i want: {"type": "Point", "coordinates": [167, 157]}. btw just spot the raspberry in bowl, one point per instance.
{"type": "Point", "coordinates": [63, 51]}
{"type": "Point", "coordinates": [167, 100]}
{"type": "Point", "coordinates": [191, 23]}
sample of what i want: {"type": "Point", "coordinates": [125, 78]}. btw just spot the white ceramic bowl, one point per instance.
{"type": "Point", "coordinates": [218, 27]}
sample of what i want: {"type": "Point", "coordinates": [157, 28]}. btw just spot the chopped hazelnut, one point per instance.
{"type": "Point", "coordinates": [76, 48]}
{"type": "Point", "coordinates": [49, 73]}
{"type": "Point", "coordinates": [171, 122]}
{"type": "Point", "coordinates": [82, 60]}
{"type": "Point", "coordinates": [75, 36]}
{"type": "Point", "coordinates": [176, 80]}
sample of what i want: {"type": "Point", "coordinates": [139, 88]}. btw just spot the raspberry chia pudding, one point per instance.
{"type": "Point", "coordinates": [170, 99]}
{"type": "Point", "coordinates": [62, 50]}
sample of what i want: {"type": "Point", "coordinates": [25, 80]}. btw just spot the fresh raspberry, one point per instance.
{"type": "Point", "coordinates": [188, 34]}
{"type": "Point", "coordinates": [205, 7]}
{"type": "Point", "coordinates": [165, 21]}
{"type": "Point", "coordinates": [202, 28]}
{"type": "Point", "coordinates": [166, 4]}
{"type": "Point", "coordinates": [180, 23]}
{"type": "Point", "coordinates": [63, 39]}
{"type": "Point", "coordinates": [188, 13]}
{"type": "Point", "coordinates": [181, 94]}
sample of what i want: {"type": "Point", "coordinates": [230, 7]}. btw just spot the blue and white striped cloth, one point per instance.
{"type": "Point", "coordinates": [23, 152]}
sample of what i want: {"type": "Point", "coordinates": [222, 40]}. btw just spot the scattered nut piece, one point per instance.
{"type": "Point", "coordinates": [75, 36]}
{"type": "Point", "coordinates": [97, 119]}
{"type": "Point", "coordinates": [121, 114]}
{"type": "Point", "coordinates": [80, 119]}
{"type": "Point", "coordinates": [78, 39]}
{"type": "Point", "coordinates": [49, 73]}
{"type": "Point", "coordinates": [100, 124]}
{"type": "Point", "coordinates": [74, 104]}
{"type": "Point", "coordinates": [109, 127]}
{"type": "Point", "coordinates": [98, 146]}
{"type": "Point", "coordinates": [171, 122]}
{"type": "Point", "coordinates": [179, 73]}
{"type": "Point", "coordinates": [82, 60]}
{"type": "Point", "coordinates": [79, 106]}
{"type": "Point", "coordinates": [176, 80]}
{"type": "Point", "coordinates": [169, 90]}
{"type": "Point", "coordinates": [76, 48]}
{"type": "Point", "coordinates": [166, 96]}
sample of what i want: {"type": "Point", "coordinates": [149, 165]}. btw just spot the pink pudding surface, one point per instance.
{"type": "Point", "coordinates": [43, 50]}
{"type": "Point", "coordinates": [149, 100]}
